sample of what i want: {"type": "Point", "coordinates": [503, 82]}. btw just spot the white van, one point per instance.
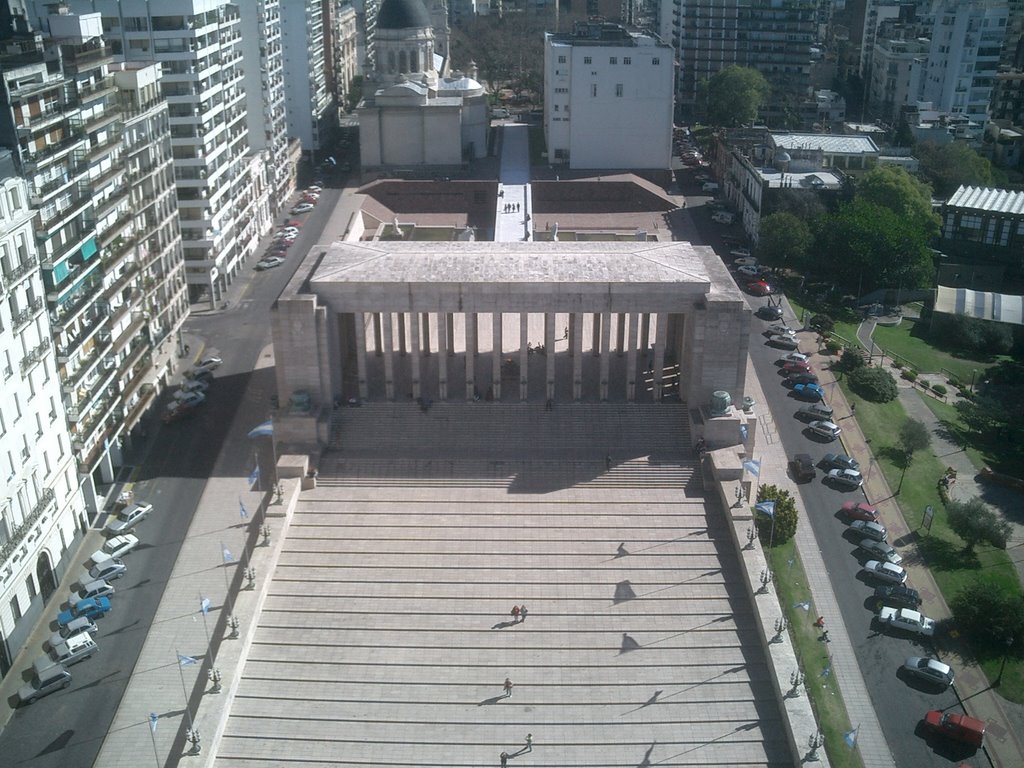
{"type": "Point", "coordinates": [73, 650]}
{"type": "Point", "coordinates": [500, 113]}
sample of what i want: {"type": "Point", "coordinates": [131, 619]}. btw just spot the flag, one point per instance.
{"type": "Point", "coordinates": [204, 605]}
{"type": "Point", "coordinates": [242, 511]}
{"type": "Point", "coordinates": [228, 557]}
{"type": "Point", "coordinates": [254, 476]}
{"type": "Point", "coordinates": [743, 432]}
{"type": "Point", "coordinates": [266, 429]}
{"type": "Point", "coordinates": [765, 508]}
{"type": "Point", "coordinates": [153, 717]}
{"type": "Point", "coordinates": [826, 671]}
{"type": "Point", "coordinates": [186, 661]}
{"type": "Point", "coordinates": [753, 466]}
{"type": "Point", "coordinates": [805, 606]}
{"type": "Point", "coordinates": [850, 737]}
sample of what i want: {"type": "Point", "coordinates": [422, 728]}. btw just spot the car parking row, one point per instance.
{"type": "Point", "coordinates": [283, 238]}
{"type": "Point", "coordinates": [191, 394]}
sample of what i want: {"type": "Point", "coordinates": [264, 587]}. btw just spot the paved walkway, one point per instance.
{"type": "Point", "coordinates": [513, 213]}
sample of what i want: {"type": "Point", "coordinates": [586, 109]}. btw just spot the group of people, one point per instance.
{"type": "Point", "coordinates": [518, 613]}
{"type": "Point", "coordinates": [511, 207]}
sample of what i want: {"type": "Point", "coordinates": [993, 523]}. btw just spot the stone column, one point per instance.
{"type": "Point", "coordinates": [549, 353]}
{"type": "Point", "coordinates": [414, 329]}
{"type": "Point", "coordinates": [450, 320]}
{"type": "Point", "coordinates": [524, 359]}
{"type": "Point", "coordinates": [620, 340]}
{"type": "Point", "coordinates": [595, 336]}
{"type": "Point", "coordinates": [389, 362]}
{"type": "Point", "coordinates": [496, 354]}
{"type": "Point", "coordinates": [378, 343]}
{"type": "Point", "coordinates": [360, 322]}
{"type": "Point", "coordinates": [443, 350]}
{"type": "Point", "coordinates": [606, 338]}
{"type": "Point", "coordinates": [470, 322]}
{"type": "Point", "coordinates": [576, 351]}
{"type": "Point", "coordinates": [426, 334]}
{"type": "Point", "coordinates": [631, 358]}
{"type": "Point", "coordinates": [660, 332]}
{"type": "Point", "coordinates": [401, 334]}
{"type": "Point", "coordinates": [645, 333]}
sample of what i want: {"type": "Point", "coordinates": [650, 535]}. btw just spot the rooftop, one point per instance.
{"type": "Point", "coordinates": [829, 143]}
{"type": "Point", "coordinates": [988, 199]}
{"type": "Point", "coordinates": [818, 179]}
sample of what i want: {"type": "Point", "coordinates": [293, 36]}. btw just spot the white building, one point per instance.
{"type": "Point", "coordinates": [414, 113]}
{"type": "Point", "coordinates": [309, 104]}
{"type": "Point", "coordinates": [897, 70]}
{"type": "Point", "coordinates": [608, 98]}
{"type": "Point", "coordinates": [41, 509]}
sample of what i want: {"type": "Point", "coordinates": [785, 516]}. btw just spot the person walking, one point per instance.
{"type": "Point", "coordinates": [515, 613]}
{"type": "Point", "coordinates": [508, 687]}
{"type": "Point", "coordinates": [529, 742]}
{"type": "Point", "coordinates": [522, 613]}
{"type": "Point", "coordinates": [608, 461]}
{"type": "Point", "coordinates": [504, 759]}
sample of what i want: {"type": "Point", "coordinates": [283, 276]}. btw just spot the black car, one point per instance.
{"type": "Point", "coordinates": [839, 461]}
{"type": "Point", "coordinates": [802, 468]}
{"type": "Point", "coordinates": [801, 378]}
{"type": "Point", "coordinates": [769, 312]}
{"type": "Point", "coordinates": [897, 596]}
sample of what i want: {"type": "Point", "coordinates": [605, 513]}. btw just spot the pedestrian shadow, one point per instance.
{"type": "Point", "coordinates": [646, 762]}
{"type": "Point", "coordinates": [623, 592]}
{"type": "Point", "coordinates": [628, 644]}
{"type": "Point", "coordinates": [504, 624]}
{"type": "Point", "coordinates": [492, 700]}
{"type": "Point", "coordinates": [649, 702]}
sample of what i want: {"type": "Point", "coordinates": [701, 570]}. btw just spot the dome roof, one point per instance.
{"type": "Point", "coordinates": [403, 14]}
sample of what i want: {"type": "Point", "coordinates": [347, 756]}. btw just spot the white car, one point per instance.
{"type": "Point", "coordinates": [847, 478]}
{"type": "Point", "coordinates": [74, 627]}
{"type": "Point", "coordinates": [108, 570]}
{"type": "Point", "coordinates": [869, 529]}
{"type": "Point", "coordinates": [742, 253]}
{"type": "Point", "coordinates": [212, 362]}
{"type": "Point", "coordinates": [907, 620]}
{"type": "Point", "coordinates": [746, 261]}
{"type": "Point", "coordinates": [825, 429]}
{"type": "Point", "coordinates": [882, 550]}
{"type": "Point", "coordinates": [268, 263]}
{"type": "Point", "coordinates": [131, 516]}
{"type": "Point", "coordinates": [302, 208]}
{"type": "Point", "coordinates": [893, 574]}
{"type": "Point", "coordinates": [781, 329]}
{"type": "Point", "coordinates": [794, 357]}
{"type": "Point", "coordinates": [115, 548]}
{"type": "Point", "coordinates": [314, 189]}
{"type": "Point", "coordinates": [749, 271]}
{"type": "Point", "coordinates": [929, 670]}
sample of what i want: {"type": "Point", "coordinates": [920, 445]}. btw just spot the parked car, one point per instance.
{"type": "Point", "coordinates": [96, 588]}
{"type": "Point", "coordinates": [190, 400]}
{"type": "Point", "coordinates": [859, 510]}
{"type": "Point", "coordinates": [769, 312]}
{"type": "Point", "coordinates": [952, 725]}
{"type": "Point", "coordinates": [108, 570]}
{"type": "Point", "coordinates": [780, 329]}
{"type": "Point", "coordinates": [896, 595]}
{"type": "Point", "coordinates": [270, 262]}
{"type": "Point", "coordinates": [839, 461]}
{"type": "Point", "coordinates": [81, 625]}
{"type": "Point", "coordinates": [744, 254]}
{"type": "Point", "coordinates": [709, 187]}
{"type": "Point", "coordinates": [797, 366]}
{"type": "Point", "coordinates": [802, 378]}
{"type": "Point", "coordinates": [116, 547]}
{"type": "Point", "coordinates": [500, 113]}
{"type": "Point", "coordinates": [815, 412]}
{"type": "Point", "coordinates": [825, 429]}
{"type": "Point", "coordinates": [802, 468]}
{"type": "Point", "coordinates": [870, 530]}
{"type": "Point", "coordinates": [73, 650]}
{"type": "Point", "coordinates": [212, 362]}
{"type": "Point", "coordinates": [722, 217]}
{"type": "Point", "coordinates": [794, 357]}
{"type": "Point", "coordinates": [785, 342]}
{"type": "Point", "coordinates": [845, 478]}
{"type": "Point", "coordinates": [302, 208]}
{"type": "Point", "coordinates": [907, 620]}
{"type": "Point", "coordinates": [93, 608]}
{"type": "Point", "coordinates": [47, 677]}
{"type": "Point", "coordinates": [883, 571]}
{"type": "Point", "coordinates": [193, 385]}
{"type": "Point", "coordinates": [749, 271]}
{"type": "Point", "coordinates": [809, 392]}
{"type": "Point", "coordinates": [929, 670]}
{"type": "Point", "coordinates": [759, 288]}
{"type": "Point", "coordinates": [199, 374]}
{"type": "Point", "coordinates": [881, 550]}
{"type": "Point", "coordinates": [132, 515]}
{"type": "Point", "coordinates": [314, 188]}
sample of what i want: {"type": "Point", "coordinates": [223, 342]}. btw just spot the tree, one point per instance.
{"type": "Point", "coordinates": [734, 96]}
{"type": "Point", "coordinates": [785, 517]}
{"type": "Point", "coordinates": [990, 614]}
{"type": "Point", "coordinates": [895, 189]}
{"type": "Point", "coordinates": [976, 523]}
{"type": "Point", "coordinates": [948, 166]}
{"type": "Point", "coordinates": [874, 384]}
{"type": "Point", "coordinates": [913, 437]}
{"type": "Point", "coordinates": [783, 240]}
{"type": "Point", "coordinates": [870, 246]}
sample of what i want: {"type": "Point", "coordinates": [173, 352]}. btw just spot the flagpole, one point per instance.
{"type": "Point", "coordinates": [152, 735]}
{"type": "Point", "coordinates": [206, 627]}
{"type": "Point", "coordinates": [184, 691]}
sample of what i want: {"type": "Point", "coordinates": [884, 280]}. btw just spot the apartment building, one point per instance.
{"type": "Point", "coordinates": [346, 55]}
{"type": "Point", "coordinates": [310, 107]}
{"type": "Point", "coordinates": [42, 512]}
{"type": "Point", "coordinates": [608, 98]}
{"type": "Point", "coordinates": [898, 66]}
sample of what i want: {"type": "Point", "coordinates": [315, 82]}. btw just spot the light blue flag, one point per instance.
{"type": "Point", "coordinates": [266, 429]}
{"type": "Point", "coordinates": [826, 671]}
{"type": "Point", "coordinates": [204, 605]}
{"type": "Point", "coordinates": [242, 511]}
{"type": "Point", "coordinates": [254, 476]}
{"type": "Point", "coordinates": [765, 508]}
{"type": "Point", "coordinates": [743, 432]}
{"type": "Point", "coordinates": [753, 466]}
{"type": "Point", "coordinates": [228, 557]}
{"type": "Point", "coordinates": [850, 737]}
{"type": "Point", "coordinates": [153, 718]}
{"type": "Point", "coordinates": [186, 661]}
{"type": "Point", "coordinates": [805, 606]}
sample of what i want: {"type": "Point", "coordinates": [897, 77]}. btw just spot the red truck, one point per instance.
{"type": "Point", "coordinates": [958, 727]}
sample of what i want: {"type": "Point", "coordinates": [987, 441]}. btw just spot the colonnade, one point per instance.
{"type": "Point", "coordinates": [643, 339]}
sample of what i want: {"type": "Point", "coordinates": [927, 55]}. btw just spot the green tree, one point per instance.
{"type": "Point", "coordinates": [897, 190]}
{"type": "Point", "coordinates": [913, 437]}
{"type": "Point", "coordinates": [783, 240]}
{"type": "Point", "coordinates": [976, 523]}
{"type": "Point", "coordinates": [871, 246]}
{"type": "Point", "coordinates": [947, 166]}
{"type": "Point", "coordinates": [785, 517]}
{"type": "Point", "coordinates": [990, 614]}
{"type": "Point", "coordinates": [874, 384]}
{"type": "Point", "coordinates": [734, 95]}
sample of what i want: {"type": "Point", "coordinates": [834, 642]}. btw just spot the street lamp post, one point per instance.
{"type": "Point", "coordinates": [974, 374]}
{"type": "Point", "coordinates": [999, 678]}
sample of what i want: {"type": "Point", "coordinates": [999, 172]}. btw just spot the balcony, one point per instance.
{"type": "Point", "coordinates": [81, 58]}
{"type": "Point", "coordinates": [34, 356]}
{"type": "Point", "coordinates": [27, 267]}
{"type": "Point", "coordinates": [24, 317]}
{"type": "Point", "coordinates": [21, 532]}
{"type": "Point", "coordinates": [35, 160]}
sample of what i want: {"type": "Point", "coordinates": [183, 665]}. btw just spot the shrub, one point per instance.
{"type": "Point", "coordinates": [974, 608]}
{"type": "Point", "coordinates": [976, 523]}
{"type": "Point", "coordinates": [939, 389]}
{"type": "Point", "coordinates": [822, 323]}
{"type": "Point", "coordinates": [909, 375]}
{"type": "Point", "coordinates": [832, 347]}
{"type": "Point", "coordinates": [897, 365]}
{"type": "Point", "coordinates": [874, 384]}
{"type": "Point", "coordinates": [786, 515]}
{"type": "Point", "coordinates": [852, 360]}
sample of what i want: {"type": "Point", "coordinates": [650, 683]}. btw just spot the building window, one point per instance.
{"type": "Point", "coordinates": [613, 60]}
{"type": "Point", "coordinates": [15, 608]}
{"type": "Point", "coordinates": [561, 59]}
{"type": "Point", "coordinates": [587, 60]}
{"type": "Point", "coordinates": [627, 60]}
{"type": "Point", "coordinates": [593, 90]}
{"type": "Point", "coordinates": [656, 61]}
{"type": "Point", "coordinates": [618, 89]}
{"type": "Point", "coordinates": [30, 585]}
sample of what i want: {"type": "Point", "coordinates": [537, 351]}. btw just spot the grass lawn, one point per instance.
{"type": "Point", "coordinates": [940, 549]}
{"type": "Point", "coordinates": [847, 330]}
{"type": "Point", "coordinates": [947, 414]}
{"type": "Point", "coordinates": [905, 340]}
{"type": "Point", "coordinates": [791, 585]}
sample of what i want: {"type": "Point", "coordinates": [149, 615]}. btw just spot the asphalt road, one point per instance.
{"type": "Point", "coordinates": [66, 729]}
{"type": "Point", "coordinates": [900, 703]}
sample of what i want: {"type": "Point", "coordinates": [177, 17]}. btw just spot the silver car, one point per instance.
{"type": "Point", "coordinates": [108, 570]}
{"type": "Point", "coordinates": [81, 625]}
{"type": "Point", "coordinates": [47, 677]}
{"type": "Point", "coordinates": [870, 530]}
{"type": "Point", "coordinates": [929, 670]}
{"type": "Point", "coordinates": [881, 550]}
{"type": "Point", "coordinates": [825, 429]}
{"type": "Point", "coordinates": [883, 571]}
{"type": "Point", "coordinates": [131, 516]}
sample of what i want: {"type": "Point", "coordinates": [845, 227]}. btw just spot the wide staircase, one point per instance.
{"type": "Point", "coordinates": [521, 445]}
